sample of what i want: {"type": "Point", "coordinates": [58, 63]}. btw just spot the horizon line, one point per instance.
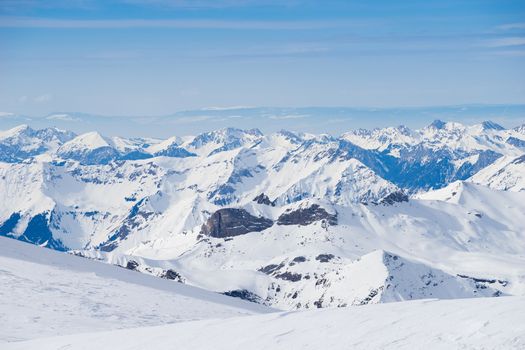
{"type": "Point", "coordinates": [214, 109]}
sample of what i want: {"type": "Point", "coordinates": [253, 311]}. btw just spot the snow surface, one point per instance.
{"type": "Point", "coordinates": [46, 293]}
{"type": "Point", "coordinates": [507, 174]}
{"type": "Point", "coordinates": [87, 141]}
{"type": "Point", "coordinates": [439, 135]}
{"type": "Point", "coordinates": [496, 323]}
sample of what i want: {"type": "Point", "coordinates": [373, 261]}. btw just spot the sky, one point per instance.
{"type": "Point", "coordinates": [158, 57]}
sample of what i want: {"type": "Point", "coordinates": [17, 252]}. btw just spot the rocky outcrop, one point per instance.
{"type": "Point", "coordinates": [264, 199]}
{"type": "Point", "coordinates": [306, 216]}
{"type": "Point", "coordinates": [172, 275]}
{"type": "Point", "coordinates": [230, 222]}
{"type": "Point", "coordinates": [324, 257]}
{"type": "Point", "coordinates": [394, 197]}
{"type": "Point", "coordinates": [516, 142]}
{"type": "Point", "coordinates": [269, 269]}
{"type": "Point", "coordinates": [519, 160]}
{"type": "Point", "coordinates": [137, 216]}
{"type": "Point", "coordinates": [37, 231]}
{"type": "Point", "coordinates": [245, 295]}
{"type": "Point", "coordinates": [132, 265]}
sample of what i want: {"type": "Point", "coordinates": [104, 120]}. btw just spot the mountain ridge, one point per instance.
{"type": "Point", "coordinates": [276, 213]}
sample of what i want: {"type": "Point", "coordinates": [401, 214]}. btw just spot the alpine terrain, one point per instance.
{"type": "Point", "coordinates": [284, 221]}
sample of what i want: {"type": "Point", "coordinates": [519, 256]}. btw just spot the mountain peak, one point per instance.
{"type": "Point", "coordinates": [490, 125]}
{"type": "Point", "coordinates": [290, 136]}
{"type": "Point", "coordinates": [403, 129]}
{"type": "Point", "coordinates": [235, 132]}
{"type": "Point", "coordinates": [225, 139]}
{"type": "Point", "coordinates": [520, 128]}
{"type": "Point", "coordinates": [89, 140]}
{"type": "Point", "coordinates": [17, 130]}
{"type": "Point", "coordinates": [438, 124]}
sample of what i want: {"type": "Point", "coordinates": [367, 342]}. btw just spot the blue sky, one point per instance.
{"type": "Point", "coordinates": [155, 57]}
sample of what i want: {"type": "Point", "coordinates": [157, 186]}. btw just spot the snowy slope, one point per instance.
{"type": "Point", "coordinates": [507, 173]}
{"type": "Point", "coordinates": [23, 142]}
{"type": "Point", "coordinates": [87, 141]}
{"type": "Point", "coordinates": [464, 241]}
{"type": "Point", "coordinates": [92, 148]}
{"type": "Point", "coordinates": [440, 135]}
{"type": "Point", "coordinates": [222, 140]}
{"type": "Point", "coordinates": [438, 154]}
{"type": "Point", "coordinates": [46, 293]}
{"type": "Point", "coordinates": [286, 219]}
{"type": "Point", "coordinates": [430, 324]}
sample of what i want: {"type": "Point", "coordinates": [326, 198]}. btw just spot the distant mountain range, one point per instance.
{"type": "Point", "coordinates": [286, 219]}
{"type": "Point", "coordinates": [331, 120]}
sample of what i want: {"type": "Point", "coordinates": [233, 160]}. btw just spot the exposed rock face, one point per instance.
{"type": "Point", "coordinates": [519, 160]}
{"type": "Point", "coordinates": [307, 216]}
{"type": "Point", "coordinates": [324, 257]}
{"type": "Point", "coordinates": [269, 269]}
{"type": "Point", "coordinates": [38, 230]}
{"type": "Point", "coordinates": [132, 265]}
{"type": "Point", "coordinates": [172, 275]}
{"type": "Point", "coordinates": [245, 295]}
{"type": "Point", "coordinates": [516, 142]}
{"type": "Point", "coordinates": [136, 217]}
{"type": "Point", "coordinates": [289, 276]}
{"type": "Point", "coordinates": [264, 199]}
{"type": "Point", "coordinates": [394, 197]}
{"type": "Point", "coordinates": [175, 152]}
{"type": "Point", "coordinates": [231, 222]}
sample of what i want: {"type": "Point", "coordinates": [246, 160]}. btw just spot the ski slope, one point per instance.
{"type": "Point", "coordinates": [495, 323]}
{"type": "Point", "coordinates": [46, 293]}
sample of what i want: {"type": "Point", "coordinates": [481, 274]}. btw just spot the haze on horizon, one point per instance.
{"type": "Point", "coordinates": [156, 57]}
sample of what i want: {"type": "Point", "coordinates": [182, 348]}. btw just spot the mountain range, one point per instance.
{"type": "Point", "coordinates": [53, 300]}
{"type": "Point", "coordinates": [289, 220]}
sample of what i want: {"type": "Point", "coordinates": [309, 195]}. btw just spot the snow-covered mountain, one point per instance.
{"type": "Point", "coordinates": [507, 174]}
{"type": "Point", "coordinates": [92, 148]}
{"type": "Point", "coordinates": [288, 220]}
{"type": "Point", "coordinates": [23, 142]}
{"type": "Point", "coordinates": [439, 153]}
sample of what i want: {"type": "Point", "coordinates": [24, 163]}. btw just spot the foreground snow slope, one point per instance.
{"type": "Point", "coordinates": [46, 293]}
{"type": "Point", "coordinates": [495, 323]}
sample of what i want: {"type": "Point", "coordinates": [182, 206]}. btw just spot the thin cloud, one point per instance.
{"type": "Point", "coordinates": [505, 42]}
{"type": "Point", "coordinates": [227, 108]}
{"type": "Point", "coordinates": [285, 117]}
{"type": "Point", "coordinates": [23, 5]}
{"type": "Point", "coordinates": [192, 119]}
{"type": "Point", "coordinates": [63, 117]}
{"type": "Point", "coordinates": [43, 98]}
{"type": "Point", "coordinates": [510, 53]}
{"type": "Point", "coordinates": [511, 26]}
{"type": "Point", "coordinates": [237, 117]}
{"type": "Point", "coordinates": [33, 22]}
{"type": "Point", "coordinates": [200, 4]}
{"type": "Point", "coordinates": [206, 118]}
